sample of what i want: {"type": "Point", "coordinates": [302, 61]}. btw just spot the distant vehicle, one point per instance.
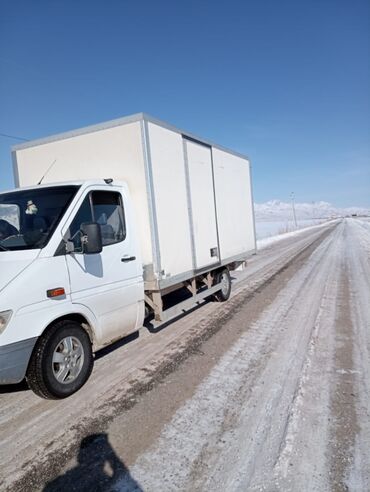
{"type": "Point", "coordinates": [127, 212]}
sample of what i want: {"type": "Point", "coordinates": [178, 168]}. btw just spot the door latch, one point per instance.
{"type": "Point", "coordinates": [214, 252]}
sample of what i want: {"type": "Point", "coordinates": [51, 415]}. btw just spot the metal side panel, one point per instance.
{"type": "Point", "coordinates": [203, 205]}
{"type": "Point", "coordinates": [235, 217]}
{"type": "Point", "coordinates": [171, 205]}
{"type": "Point", "coordinates": [151, 199]}
{"type": "Point", "coordinates": [190, 210]}
{"type": "Point", "coordinates": [15, 169]}
{"type": "Point", "coordinates": [252, 205]}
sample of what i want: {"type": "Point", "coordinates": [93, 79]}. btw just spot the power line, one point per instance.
{"type": "Point", "coordinates": [13, 136]}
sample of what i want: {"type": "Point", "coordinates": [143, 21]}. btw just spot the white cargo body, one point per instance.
{"type": "Point", "coordinates": [192, 198]}
{"type": "Point", "coordinates": [106, 223]}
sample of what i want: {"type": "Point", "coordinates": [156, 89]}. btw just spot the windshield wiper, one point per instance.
{"type": "Point", "coordinates": [2, 248]}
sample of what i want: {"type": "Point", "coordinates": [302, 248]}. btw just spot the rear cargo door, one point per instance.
{"type": "Point", "coordinates": [202, 206]}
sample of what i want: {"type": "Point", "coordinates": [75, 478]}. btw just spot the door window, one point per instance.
{"type": "Point", "coordinates": [108, 213]}
{"type": "Point", "coordinates": [105, 208]}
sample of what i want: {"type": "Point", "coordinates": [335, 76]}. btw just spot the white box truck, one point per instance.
{"type": "Point", "coordinates": [105, 222]}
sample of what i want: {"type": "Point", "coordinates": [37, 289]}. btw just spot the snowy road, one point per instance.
{"type": "Point", "coordinates": [266, 392]}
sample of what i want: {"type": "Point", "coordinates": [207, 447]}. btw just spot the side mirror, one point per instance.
{"type": "Point", "coordinates": [91, 239]}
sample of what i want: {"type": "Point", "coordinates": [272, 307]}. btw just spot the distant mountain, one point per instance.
{"type": "Point", "coordinates": [277, 210]}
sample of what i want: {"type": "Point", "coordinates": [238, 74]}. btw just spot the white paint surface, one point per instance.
{"type": "Point", "coordinates": [119, 152]}
{"type": "Point", "coordinates": [202, 203]}
{"type": "Point", "coordinates": [234, 203]}
{"type": "Point", "coordinates": [169, 180]}
{"type": "Point", "coordinates": [111, 153]}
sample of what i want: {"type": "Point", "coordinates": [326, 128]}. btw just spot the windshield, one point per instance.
{"type": "Point", "coordinates": [28, 218]}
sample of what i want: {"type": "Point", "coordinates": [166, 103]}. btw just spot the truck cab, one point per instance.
{"type": "Point", "coordinates": [71, 281]}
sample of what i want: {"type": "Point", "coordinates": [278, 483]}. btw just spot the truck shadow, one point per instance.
{"type": "Point", "coordinates": [116, 345]}
{"type": "Point", "coordinates": [14, 388]}
{"type": "Point", "coordinates": [98, 468]}
{"type": "Point", "coordinates": [170, 300]}
{"type": "Point", "coordinates": [155, 327]}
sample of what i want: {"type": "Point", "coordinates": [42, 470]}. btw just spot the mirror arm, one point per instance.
{"type": "Point", "coordinates": [84, 240]}
{"type": "Point", "coordinates": [69, 244]}
{"type": "Point", "coordinates": [70, 247]}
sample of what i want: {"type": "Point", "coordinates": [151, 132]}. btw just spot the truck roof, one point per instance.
{"type": "Point", "coordinates": [118, 122]}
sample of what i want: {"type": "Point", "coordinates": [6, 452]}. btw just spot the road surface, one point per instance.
{"type": "Point", "coordinates": [268, 391]}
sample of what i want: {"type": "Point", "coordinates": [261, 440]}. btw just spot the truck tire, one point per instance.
{"type": "Point", "coordinates": [61, 362]}
{"type": "Point", "coordinates": [223, 277]}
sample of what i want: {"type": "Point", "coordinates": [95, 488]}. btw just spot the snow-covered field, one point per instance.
{"type": "Point", "coordinates": [278, 210]}
{"type": "Point", "coordinates": [266, 228]}
{"type": "Point", "coordinates": [276, 217]}
{"type": "Point", "coordinates": [280, 236]}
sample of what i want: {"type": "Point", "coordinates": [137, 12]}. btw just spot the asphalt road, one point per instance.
{"type": "Point", "coordinates": [265, 392]}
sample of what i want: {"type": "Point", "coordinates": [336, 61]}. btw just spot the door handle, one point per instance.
{"type": "Point", "coordinates": [128, 258]}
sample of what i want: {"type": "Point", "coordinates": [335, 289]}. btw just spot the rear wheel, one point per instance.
{"type": "Point", "coordinates": [61, 362]}
{"type": "Point", "coordinates": [223, 277]}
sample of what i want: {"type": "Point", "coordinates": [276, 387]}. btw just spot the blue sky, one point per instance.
{"type": "Point", "coordinates": [285, 82]}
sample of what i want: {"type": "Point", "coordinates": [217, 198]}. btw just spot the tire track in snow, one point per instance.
{"type": "Point", "coordinates": [358, 260]}
{"type": "Point", "coordinates": [230, 434]}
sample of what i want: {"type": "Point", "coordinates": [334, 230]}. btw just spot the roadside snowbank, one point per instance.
{"type": "Point", "coordinates": [263, 243]}
{"type": "Point", "coordinates": [276, 227]}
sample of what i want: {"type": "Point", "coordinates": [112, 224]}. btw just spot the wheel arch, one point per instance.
{"type": "Point", "coordinates": [220, 269]}
{"type": "Point", "coordinates": [78, 318]}
{"type": "Point", "coordinates": [220, 295]}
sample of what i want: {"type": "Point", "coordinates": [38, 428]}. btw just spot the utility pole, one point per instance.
{"type": "Point", "coordinates": [293, 208]}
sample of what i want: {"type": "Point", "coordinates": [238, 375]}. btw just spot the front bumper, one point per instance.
{"type": "Point", "coordinates": [14, 360]}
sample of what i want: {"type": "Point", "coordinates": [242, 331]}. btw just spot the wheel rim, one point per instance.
{"type": "Point", "coordinates": [225, 284]}
{"type": "Point", "coordinates": [68, 359]}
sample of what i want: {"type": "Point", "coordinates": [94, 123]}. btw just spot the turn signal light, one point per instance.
{"type": "Point", "coordinates": [56, 292]}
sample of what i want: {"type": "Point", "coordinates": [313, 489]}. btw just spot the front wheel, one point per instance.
{"type": "Point", "coordinates": [61, 362]}
{"type": "Point", "coordinates": [223, 277]}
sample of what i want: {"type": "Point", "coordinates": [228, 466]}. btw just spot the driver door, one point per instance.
{"type": "Point", "coordinates": [109, 283]}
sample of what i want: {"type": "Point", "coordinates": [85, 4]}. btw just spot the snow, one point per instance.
{"type": "Point", "coordinates": [358, 255]}
{"type": "Point", "coordinates": [273, 432]}
{"type": "Point", "coordinates": [267, 241]}
{"type": "Point", "coordinates": [276, 217]}
{"type": "Point", "coordinates": [240, 410]}
{"type": "Point", "coordinates": [264, 418]}
{"type": "Point", "coordinates": [33, 431]}
{"type": "Point", "coordinates": [276, 227]}
{"type": "Point", "coordinates": [278, 210]}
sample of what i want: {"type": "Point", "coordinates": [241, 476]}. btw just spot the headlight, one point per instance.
{"type": "Point", "coordinates": [4, 319]}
